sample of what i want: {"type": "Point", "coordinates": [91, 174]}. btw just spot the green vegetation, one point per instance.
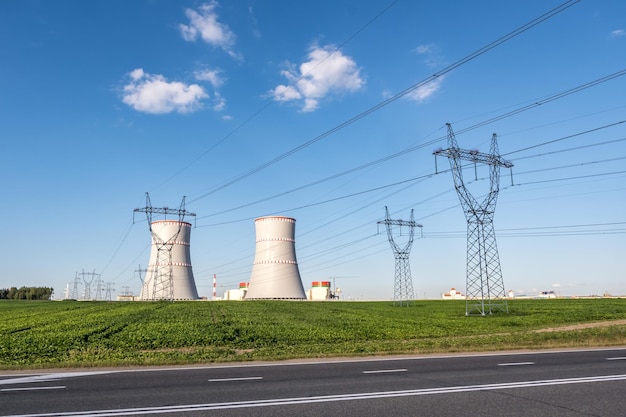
{"type": "Point", "coordinates": [26, 293]}
{"type": "Point", "coordinates": [37, 334]}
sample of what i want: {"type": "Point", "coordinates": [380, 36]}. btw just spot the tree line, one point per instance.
{"type": "Point", "coordinates": [26, 293]}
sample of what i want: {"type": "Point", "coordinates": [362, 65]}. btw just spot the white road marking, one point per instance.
{"type": "Point", "coordinates": [338, 361]}
{"type": "Point", "coordinates": [516, 363]}
{"type": "Point", "coordinates": [326, 398]}
{"type": "Point", "coordinates": [616, 358]}
{"type": "Point", "coordinates": [47, 377]}
{"type": "Point", "coordinates": [249, 378]}
{"type": "Point", "coordinates": [384, 371]}
{"type": "Point", "coordinates": [31, 388]}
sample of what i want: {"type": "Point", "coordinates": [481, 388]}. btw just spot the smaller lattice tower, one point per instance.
{"type": "Point", "coordinates": [485, 287]}
{"type": "Point", "coordinates": [403, 282]}
{"type": "Point", "coordinates": [142, 274]}
{"type": "Point", "coordinates": [88, 279]}
{"type": "Point", "coordinates": [109, 290]}
{"type": "Point", "coordinates": [77, 283]}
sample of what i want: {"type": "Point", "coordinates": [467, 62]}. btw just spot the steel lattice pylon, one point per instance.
{"type": "Point", "coordinates": [485, 287]}
{"type": "Point", "coordinates": [162, 275]}
{"type": "Point", "coordinates": [403, 282]}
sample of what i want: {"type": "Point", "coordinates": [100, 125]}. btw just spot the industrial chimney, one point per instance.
{"type": "Point", "coordinates": [275, 273]}
{"type": "Point", "coordinates": [169, 269]}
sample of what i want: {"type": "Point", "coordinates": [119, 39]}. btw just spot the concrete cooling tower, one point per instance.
{"type": "Point", "coordinates": [275, 273]}
{"type": "Point", "coordinates": [169, 274]}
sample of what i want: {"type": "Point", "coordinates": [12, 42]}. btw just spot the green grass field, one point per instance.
{"type": "Point", "coordinates": [86, 334]}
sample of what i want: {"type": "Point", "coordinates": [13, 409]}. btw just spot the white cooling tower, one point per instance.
{"type": "Point", "coordinates": [275, 273]}
{"type": "Point", "coordinates": [169, 274]}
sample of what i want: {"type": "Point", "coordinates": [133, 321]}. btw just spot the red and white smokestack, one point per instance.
{"type": "Point", "coordinates": [214, 287]}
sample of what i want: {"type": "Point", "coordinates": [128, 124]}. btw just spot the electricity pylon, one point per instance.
{"type": "Point", "coordinates": [485, 286]}
{"type": "Point", "coordinates": [88, 279]}
{"type": "Point", "coordinates": [143, 280]}
{"type": "Point", "coordinates": [162, 272]}
{"type": "Point", "coordinates": [77, 283]}
{"type": "Point", "coordinates": [403, 283]}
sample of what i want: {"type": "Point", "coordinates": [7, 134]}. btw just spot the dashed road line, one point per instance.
{"type": "Point", "coordinates": [385, 371]}
{"type": "Point", "coordinates": [516, 364]}
{"type": "Point", "coordinates": [248, 378]}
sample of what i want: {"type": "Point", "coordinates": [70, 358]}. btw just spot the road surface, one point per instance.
{"type": "Point", "coordinates": [565, 383]}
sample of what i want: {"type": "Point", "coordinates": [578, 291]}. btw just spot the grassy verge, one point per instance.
{"type": "Point", "coordinates": [87, 334]}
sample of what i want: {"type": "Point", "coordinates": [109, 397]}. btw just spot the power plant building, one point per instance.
{"type": "Point", "coordinates": [319, 291]}
{"type": "Point", "coordinates": [169, 274]}
{"type": "Point", "coordinates": [275, 273]}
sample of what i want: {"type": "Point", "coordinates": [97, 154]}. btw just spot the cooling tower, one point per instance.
{"type": "Point", "coordinates": [275, 272]}
{"type": "Point", "coordinates": [169, 274]}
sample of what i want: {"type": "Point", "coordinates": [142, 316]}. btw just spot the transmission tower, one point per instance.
{"type": "Point", "coordinates": [77, 283]}
{"type": "Point", "coordinates": [485, 287]}
{"type": "Point", "coordinates": [162, 273]}
{"type": "Point", "coordinates": [144, 282]}
{"type": "Point", "coordinates": [99, 287]}
{"type": "Point", "coordinates": [88, 279]}
{"type": "Point", "coordinates": [403, 283]}
{"type": "Point", "coordinates": [109, 290]}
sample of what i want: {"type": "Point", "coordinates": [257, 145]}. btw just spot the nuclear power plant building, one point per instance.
{"type": "Point", "coordinates": [275, 273]}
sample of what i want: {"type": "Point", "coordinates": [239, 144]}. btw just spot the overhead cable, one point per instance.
{"type": "Point", "coordinates": [562, 7]}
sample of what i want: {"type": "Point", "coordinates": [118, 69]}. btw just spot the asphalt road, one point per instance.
{"type": "Point", "coordinates": [565, 383]}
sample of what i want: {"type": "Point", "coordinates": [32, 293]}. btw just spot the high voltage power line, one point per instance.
{"type": "Point", "coordinates": [290, 86]}
{"type": "Point", "coordinates": [551, 13]}
{"type": "Point", "coordinates": [425, 176]}
{"type": "Point", "coordinates": [404, 92]}
{"type": "Point", "coordinates": [436, 140]}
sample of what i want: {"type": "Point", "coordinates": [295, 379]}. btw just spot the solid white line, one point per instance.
{"type": "Point", "coordinates": [384, 371]}
{"type": "Point", "coordinates": [249, 378]}
{"type": "Point", "coordinates": [339, 361]}
{"type": "Point", "coordinates": [616, 359]}
{"type": "Point", "coordinates": [516, 363]}
{"type": "Point", "coordinates": [47, 377]}
{"type": "Point", "coordinates": [31, 388]}
{"type": "Point", "coordinates": [326, 398]}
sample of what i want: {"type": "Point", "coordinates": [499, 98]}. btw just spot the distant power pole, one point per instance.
{"type": "Point", "coordinates": [77, 283]}
{"type": "Point", "coordinates": [403, 282]}
{"type": "Point", "coordinates": [99, 285]}
{"type": "Point", "coordinates": [485, 286]}
{"type": "Point", "coordinates": [143, 281]}
{"type": "Point", "coordinates": [88, 279]}
{"type": "Point", "coordinates": [109, 290]}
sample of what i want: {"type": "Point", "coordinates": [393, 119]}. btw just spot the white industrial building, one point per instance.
{"type": "Point", "coordinates": [319, 291]}
{"type": "Point", "coordinates": [236, 294]}
{"type": "Point", "coordinates": [453, 294]}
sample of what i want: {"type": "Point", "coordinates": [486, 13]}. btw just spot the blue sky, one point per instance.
{"type": "Point", "coordinates": [253, 108]}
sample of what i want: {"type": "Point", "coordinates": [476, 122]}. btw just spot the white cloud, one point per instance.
{"type": "Point", "coordinates": [431, 55]}
{"type": "Point", "coordinates": [285, 93]}
{"type": "Point", "coordinates": [219, 102]}
{"type": "Point", "coordinates": [205, 25]}
{"type": "Point", "coordinates": [327, 71]}
{"type": "Point", "coordinates": [425, 91]}
{"type": "Point", "coordinates": [424, 49]}
{"type": "Point", "coordinates": [210, 75]}
{"type": "Point", "coordinates": [152, 93]}
{"type": "Point", "coordinates": [617, 33]}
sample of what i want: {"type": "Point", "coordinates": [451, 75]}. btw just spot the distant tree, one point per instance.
{"type": "Point", "coordinates": [26, 293]}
